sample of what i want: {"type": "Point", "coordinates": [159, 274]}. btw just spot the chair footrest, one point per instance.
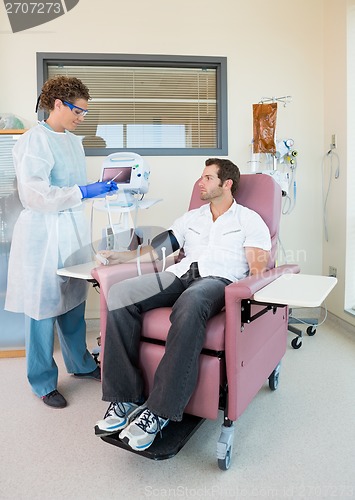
{"type": "Point", "coordinates": [175, 435]}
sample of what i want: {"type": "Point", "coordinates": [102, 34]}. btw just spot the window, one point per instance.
{"type": "Point", "coordinates": [154, 105]}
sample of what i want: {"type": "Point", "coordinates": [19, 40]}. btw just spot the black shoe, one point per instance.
{"type": "Point", "coordinates": [96, 374]}
{"type": "Point", "coordinates": [54, 399]}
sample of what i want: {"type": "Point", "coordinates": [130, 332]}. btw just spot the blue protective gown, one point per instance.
{"type": "Point", "coordinates": [52, 231]}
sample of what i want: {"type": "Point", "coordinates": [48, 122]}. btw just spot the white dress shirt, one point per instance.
{"type": "Point", "coordinates": [218, 247]}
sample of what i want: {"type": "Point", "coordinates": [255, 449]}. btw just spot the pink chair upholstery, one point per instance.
{"type": "Point", "coordinates": [235, 355]}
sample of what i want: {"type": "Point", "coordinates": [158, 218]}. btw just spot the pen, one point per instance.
{"type": "Point", "coordinates": [119, 173]}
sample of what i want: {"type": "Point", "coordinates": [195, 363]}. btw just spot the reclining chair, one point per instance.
{"type": "Point", "coordinates": [244, 343]}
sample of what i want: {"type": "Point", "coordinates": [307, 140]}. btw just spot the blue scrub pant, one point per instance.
{"type": "Point", "coordinates": [42, 370]}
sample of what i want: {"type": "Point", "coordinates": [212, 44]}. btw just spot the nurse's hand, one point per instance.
{"type": "Point", "coordinates": [98, 189]}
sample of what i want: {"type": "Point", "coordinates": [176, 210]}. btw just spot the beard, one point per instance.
{"type": "Point", "coordinates": [215, 193]}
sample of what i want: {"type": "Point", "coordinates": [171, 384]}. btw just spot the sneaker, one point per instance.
{"type": "Point", "coordinates": [141, 432]}
{"type": "Point", "coordinates": [54, 399]}
{"type": "Point", "coordinates": [117, 417]}
{"type": "Point", "coordinates": [96, 374]}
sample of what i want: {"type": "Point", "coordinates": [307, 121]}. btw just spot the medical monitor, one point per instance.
{"type": "Point", "coordinates": [121, 175]}
{"type": "Point", "coordinates": [128, 170]}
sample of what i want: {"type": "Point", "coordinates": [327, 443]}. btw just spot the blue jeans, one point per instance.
{"type": "Point", "coordinates": [42, 370]}
{"type": "Point", "coordinates": [194, 300]}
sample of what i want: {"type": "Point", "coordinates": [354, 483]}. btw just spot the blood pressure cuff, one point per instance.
{"type": "Point", "coordinates": [165, 239]}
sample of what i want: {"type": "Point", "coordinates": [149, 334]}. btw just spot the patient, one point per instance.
{"type": "Point", "coordinates": [223, 242]}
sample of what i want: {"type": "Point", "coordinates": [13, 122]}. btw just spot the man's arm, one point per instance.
{"type": "Point", "coordinates": [257, 259]}
{"type": "Point", "coordinates": [147, 254]}
{"type": "Point", "coordinates": [162, 245]}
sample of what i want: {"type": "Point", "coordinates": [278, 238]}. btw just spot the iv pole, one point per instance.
{"type": "Point", "coordinates": [286, 99]}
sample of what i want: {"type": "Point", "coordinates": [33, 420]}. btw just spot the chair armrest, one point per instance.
{"type": "Point", "coordinates": [107, 276]}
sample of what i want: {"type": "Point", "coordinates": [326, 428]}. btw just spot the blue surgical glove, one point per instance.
{"type": "Point", "coordinates": [98, 189]}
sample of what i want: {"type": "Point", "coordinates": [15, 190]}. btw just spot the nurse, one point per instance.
{"type": "Point", "coordinates": [52, 232]}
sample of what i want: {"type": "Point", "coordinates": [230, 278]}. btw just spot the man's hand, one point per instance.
{"type": "Point", "coordinates": [257, 259]}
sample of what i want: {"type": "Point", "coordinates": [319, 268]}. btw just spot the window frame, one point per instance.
{"type": "Point", "coordinates": [44, 59]}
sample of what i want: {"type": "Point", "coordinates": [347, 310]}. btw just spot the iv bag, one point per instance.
{"type": "Point", "coordinates": [264, 127]}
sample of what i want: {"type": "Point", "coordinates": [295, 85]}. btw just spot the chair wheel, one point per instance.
{"type": "Point", "coordinates": [225, 446]}
{"type": "Point", "coordinates": [274, 378]}
{"type": "Point", "coordinates": [224, 463]}
{"type": "Point", "coordinates": [296, 343]}
{"type": "Point", "coordinates": [311, 330]}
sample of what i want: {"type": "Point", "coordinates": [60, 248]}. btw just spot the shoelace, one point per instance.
{"type": "Point", "coordinates": [147, 419]}
{"type": "Point", "coordinates": [112, 410]}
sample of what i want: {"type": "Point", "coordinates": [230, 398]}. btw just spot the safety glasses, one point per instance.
{"type": "Point", "coordinates": [75, 109]}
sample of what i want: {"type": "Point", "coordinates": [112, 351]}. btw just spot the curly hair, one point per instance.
{"type": "Point", "coordinates": [64, 88]}
{"type": "Point", "coordinates": [226, 170]}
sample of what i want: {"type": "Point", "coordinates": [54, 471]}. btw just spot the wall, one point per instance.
{"type": "Point", "coordinates": [336, 121]}
{"type": "Point", "coordinates": [273, 49]}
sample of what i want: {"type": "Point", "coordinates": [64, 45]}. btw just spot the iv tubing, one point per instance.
{"type": "Point", "coordinates": [325, 194]}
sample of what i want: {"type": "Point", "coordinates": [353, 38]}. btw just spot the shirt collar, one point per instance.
{"type": "Point", "coordinates": [232, 208]}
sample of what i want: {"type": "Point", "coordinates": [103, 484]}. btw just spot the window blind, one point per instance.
{"type": "Point", "coordinates": [147, 107]}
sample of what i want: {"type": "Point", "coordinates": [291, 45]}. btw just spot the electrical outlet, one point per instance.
{"type": "Point", "coordinates": [333, 271]}
{"type": "Point", "coordinates": [333, 144]}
